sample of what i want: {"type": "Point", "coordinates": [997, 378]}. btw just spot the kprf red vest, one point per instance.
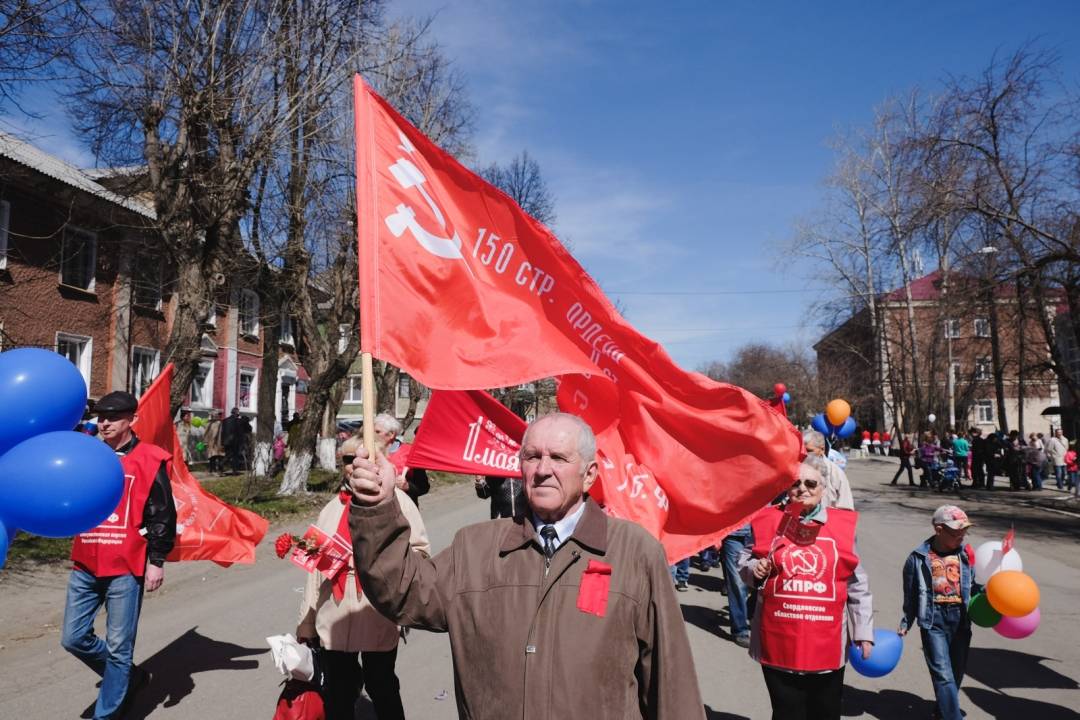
{"type": "Point", "coordinates": [803, 601]}
{"type": "Point", "coordinates": [116, 547]}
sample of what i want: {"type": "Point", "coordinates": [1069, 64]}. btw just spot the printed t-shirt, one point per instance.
{"type": "Point", "coordinates": [945, 576]}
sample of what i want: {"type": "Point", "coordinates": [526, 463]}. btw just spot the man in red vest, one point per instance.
{"type": "Point", "coordinates": [117, 560]}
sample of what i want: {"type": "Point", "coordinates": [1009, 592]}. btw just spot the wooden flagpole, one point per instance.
{"type": "Point", "coordinates": [367, 382]}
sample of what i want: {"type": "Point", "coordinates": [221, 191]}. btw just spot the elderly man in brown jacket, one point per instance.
{"type": "Point", "coordinates": [566, 613]}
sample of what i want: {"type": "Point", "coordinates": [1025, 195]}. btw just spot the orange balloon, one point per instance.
{"type": "Point", "coordinates": [837, 411]}
{"type": "Point", "coordinates": [1012, 593]}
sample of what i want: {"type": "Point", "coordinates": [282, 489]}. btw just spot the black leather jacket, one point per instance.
{"type": "Point", "coordinates": [507, 496]}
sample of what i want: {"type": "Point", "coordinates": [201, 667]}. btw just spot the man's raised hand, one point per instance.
{"type": "Point", "coordinates": [371, 482]}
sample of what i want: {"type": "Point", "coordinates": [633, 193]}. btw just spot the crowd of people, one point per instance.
{"type": "Point", "coordinates": [945, 463]}
{"type": "Point", "coordinates": [552, 591]}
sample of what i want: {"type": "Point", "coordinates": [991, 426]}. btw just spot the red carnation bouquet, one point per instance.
{"type": "Point", "coordinates": [285, 542]}
{"type": "Point", "coordinates": [315, 551]}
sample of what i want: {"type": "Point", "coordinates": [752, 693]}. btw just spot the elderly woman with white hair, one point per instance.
{"type": "Point", "coordinates": [414, 481]}
{"type": "Point", "coordinates": [837, 488]}
{"type": "Point", "coordinates": [813, 594]}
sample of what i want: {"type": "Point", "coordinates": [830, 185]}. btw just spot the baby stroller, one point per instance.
{"type": "Point", "coordinates": [948, 476]}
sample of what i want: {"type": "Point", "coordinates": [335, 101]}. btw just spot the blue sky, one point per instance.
{"type": "Point", "coordinates": [683, 140]}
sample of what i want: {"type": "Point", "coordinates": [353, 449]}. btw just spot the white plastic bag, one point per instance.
{"type": "Point", "coordinates": [292, 659]}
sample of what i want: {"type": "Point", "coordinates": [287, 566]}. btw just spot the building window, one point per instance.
{"type": "Point", "coordinates": [982, 369]}
{"type": "Point", "coordinates": [5, 220]}
{"type": "Point", "coordinates": [982, 327]}
{"type": "Point", "coordinates": [984, 411]}
{"type": "Point", "coordinates": [286, 335]}
{"type": "Point", "coordinates": [78, 258]}
{"type": "Point", "coordinates": [355, 392]}
{"type": "Point", "coordinates": [248, 389]}
{"type": "Point", "coordinates": [78, 350]}
{"type": "Point", "coordinates": [248, 306]}
{"type": "Point", "coordinates": [952, 328]}
{"type": "Point", "coordinates": [202, 385]}
{"type": "Point", "coordinates": [147, 281]}
{"type": "Point", "coordinates": [403, 385]}
{"type": "Point", "coordinates": [955, 371]}
{"type": "Point", "coordinates": [144, 368]}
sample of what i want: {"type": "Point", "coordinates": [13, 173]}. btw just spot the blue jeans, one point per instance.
{"type": "Point", "coordinates": [708, 558]}
{"type": "Point", "coordinates": [680, 571]}
{"type": "Point", "coordinates": [736, 589]}
{"type": "Point", "coordinates": [1036, 477]}
{"type": "Point", "coordinates": [110, 657]}
{"type": "Point", "coordinates": [945, 646]}
{"type": "Point", "coordinates": [1074, 482]}
{"type": "Point", "coordinates": [1059, 476]}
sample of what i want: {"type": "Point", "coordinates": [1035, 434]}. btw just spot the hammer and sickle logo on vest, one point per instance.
{"type": "Point", "coordinates": [808, 561]}
{"type": "Point", "coordinates": [404, 217]}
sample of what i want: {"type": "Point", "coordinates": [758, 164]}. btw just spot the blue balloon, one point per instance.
{"type": "Point", "coordinates": [888, 646]}
{"type": "Point", "coordinates": [847, 428]}
{"type": "Point", "coordinates": [5, 541]}
{"type": "Point", "coordinates": [787, 398]}
{"type": "Point", "coordinates": [822, 425]}
{"type": "Point", "coordinates": [59, 484]}
{"type": "Point", "coordinates": [40, 392]}
{"type": "Point", "coordinates": [90, 428]}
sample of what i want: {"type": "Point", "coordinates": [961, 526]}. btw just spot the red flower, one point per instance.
{"type": "Point", "coordinates": [283, 544]}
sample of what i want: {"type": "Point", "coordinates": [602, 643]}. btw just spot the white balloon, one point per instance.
{"type": "Point", "coordinates": [931, 417]}
{"type": "Point", "coordinates": [988, 560]}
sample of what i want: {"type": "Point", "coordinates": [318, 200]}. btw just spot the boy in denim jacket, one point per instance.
{"type": "Point", "coordinates": [939, 580]}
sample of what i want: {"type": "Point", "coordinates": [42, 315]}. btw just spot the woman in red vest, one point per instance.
{"type": "Point", "coordinates": [803, 560]}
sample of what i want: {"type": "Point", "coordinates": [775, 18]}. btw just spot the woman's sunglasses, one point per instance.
{"type": "Point", "coordinates": [808, 484]}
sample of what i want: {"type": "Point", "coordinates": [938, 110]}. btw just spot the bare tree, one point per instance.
{"type": "Point", "coordinates": [191, 86]}
{"type": "Point", "coordinates": [522, 180]}
{"type": "Point", "coordinates": [317, 184]}
{"type": "Point", "coordinates": [33, 34]}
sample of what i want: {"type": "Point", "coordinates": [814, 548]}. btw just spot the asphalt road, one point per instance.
{"type": "Point", "coordinates": [202, 635]}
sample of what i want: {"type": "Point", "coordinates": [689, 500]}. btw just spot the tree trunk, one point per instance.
{"type": "Point", "coordinates": [184, 348]}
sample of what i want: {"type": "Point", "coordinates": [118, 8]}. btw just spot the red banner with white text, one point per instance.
{"type": "Point", "coordinates": [468, 432]}
{"type": "Point", "coordinates": [207, 528]}
{"type": "Point", "coordinates": [463, 290]}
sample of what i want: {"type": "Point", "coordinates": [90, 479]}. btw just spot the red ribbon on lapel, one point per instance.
{"type": "Point", "coordinates": [593, 593]}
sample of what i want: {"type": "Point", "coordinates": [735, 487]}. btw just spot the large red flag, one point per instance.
{"type": "Point", "coordinates": [464, 290]}
{"type": "Point", "coordinates": [468, 432]}
{"type": "Point", "coordinates": [207, 528]}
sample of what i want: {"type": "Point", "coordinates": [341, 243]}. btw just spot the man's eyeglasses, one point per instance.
{"type": "Point", "coordinates": [808, 484]}
{"type": "Point", "coordinates": [347, 459]}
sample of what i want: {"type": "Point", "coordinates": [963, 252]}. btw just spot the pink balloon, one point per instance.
{"type": "Point", "coordinates": [1015, 628]}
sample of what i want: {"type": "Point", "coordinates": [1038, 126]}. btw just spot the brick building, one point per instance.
{"type": "Point", "coordinates": [80, 273]}
{"type": "Point", "coordinates": [955, 329]}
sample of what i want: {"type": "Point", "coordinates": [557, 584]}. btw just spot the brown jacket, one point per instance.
{"type": "Point", "coordinates": [521, 647]}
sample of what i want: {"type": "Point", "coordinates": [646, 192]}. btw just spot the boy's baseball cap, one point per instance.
{"type": "Point", "coordinates": [952, 517]}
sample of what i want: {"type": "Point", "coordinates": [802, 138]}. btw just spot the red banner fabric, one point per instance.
{"type": "Point", "coordinates": [468, 432]}
{"type": "Point", "coordinates": [206, 527]}
{"type": "Point", "coordinates": [464, 290]}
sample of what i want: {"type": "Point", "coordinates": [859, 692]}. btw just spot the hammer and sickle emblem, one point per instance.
{"type": "Point", "coordinates": [804, 561]}
{"type": "Point", "coordinates": [404, 217]}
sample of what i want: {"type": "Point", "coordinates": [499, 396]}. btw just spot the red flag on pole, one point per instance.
{"type": "Point", "coordinates": [207, 528]}
{"type": "Point", "coordinates": [468, 432]}
{"type": "Point", "coordinates": [464, 290]}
